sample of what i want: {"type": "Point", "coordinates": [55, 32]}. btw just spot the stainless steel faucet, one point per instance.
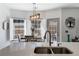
{"type": "Point", "coordinates": [49, 36]}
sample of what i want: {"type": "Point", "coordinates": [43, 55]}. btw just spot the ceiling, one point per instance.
{"type": "Point", "coordinates": [40, 6]}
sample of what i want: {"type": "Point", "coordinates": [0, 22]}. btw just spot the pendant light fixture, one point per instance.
{"type": "Point", "coordinates": [35, 15]}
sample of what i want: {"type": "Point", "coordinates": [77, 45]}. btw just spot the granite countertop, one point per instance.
{"type": "Point", "coordinates": [27, 49]}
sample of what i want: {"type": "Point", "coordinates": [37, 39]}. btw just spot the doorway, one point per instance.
{"type": "Point", "coordinates": [53, 25]}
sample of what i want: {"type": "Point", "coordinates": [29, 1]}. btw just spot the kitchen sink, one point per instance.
{"type": "Point", "coordinates": [61, 50]}
{"type": "Point", "coordinates": [52, 50]}
{"type": "Point", "coordinates": [42, 50]}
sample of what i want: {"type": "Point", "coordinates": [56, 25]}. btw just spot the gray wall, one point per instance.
{"type": "Point", "coordinates": [70, 12]}
{"type": "Point", "coordinates": [4, 13]}
{"type": "Point", "coordinates": [55, 13]}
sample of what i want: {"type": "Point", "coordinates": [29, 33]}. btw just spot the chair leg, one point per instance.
{"type": "Point", "coordinates": [19, 39]}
